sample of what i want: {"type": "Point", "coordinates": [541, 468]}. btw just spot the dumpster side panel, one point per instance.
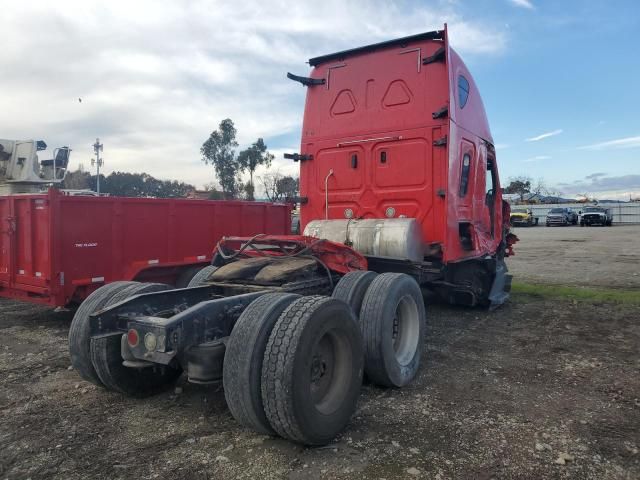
{"type": "Point", "coordinates": [88, 251]}
{"type": "Point", "coordinates": [6, 227]}
{"type": "Point", "coordinates": [32, 252]}
{"type": "Point", "coordinates": [56, 249]}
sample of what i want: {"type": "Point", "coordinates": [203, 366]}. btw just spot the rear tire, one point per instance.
{"type": "Point", "coordinates": [185, 277]}
{"type": "Point", "coordinates": [200, 278]}
{"type": "Point", "coordinates": [393, 324]}
{"type": "Point", "coordinates": [79, 331]}
{"type": "Point", "coordinates": [242, 369]}
{"type": "Point", "coordinates": [352, 287]}
{"type": "Point", "coordinates": [312, 370]}
{"type": "Point", "coordinates": [106, 357]}
{"type": "Point", "coordinates": [137, 288]}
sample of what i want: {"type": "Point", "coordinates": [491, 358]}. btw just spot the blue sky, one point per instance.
{"type": "Point", "coordinates": [559, 78]}
{"type": "Point", "coordinates": [570, 68]}
{"type": "Point", "coordinates": [562, 92]}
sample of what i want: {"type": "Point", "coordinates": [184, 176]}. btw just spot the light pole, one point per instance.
{"type": "Point", "coordinates": [97, 148]}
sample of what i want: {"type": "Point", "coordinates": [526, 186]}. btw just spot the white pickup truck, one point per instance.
{"type": "Point", "coordinates": [596, 216]}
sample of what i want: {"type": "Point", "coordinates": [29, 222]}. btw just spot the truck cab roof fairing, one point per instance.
{"type": "Point", "coordinates": [471, 115]}
{"type": "Point", "coordinates": [434, 35]}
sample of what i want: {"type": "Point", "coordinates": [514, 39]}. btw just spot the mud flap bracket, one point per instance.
{"type": "Point", "coordinates": [501, 285]}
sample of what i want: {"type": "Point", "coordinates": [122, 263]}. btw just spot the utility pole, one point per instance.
{"type": "Point", "coordinates": [97, 148]}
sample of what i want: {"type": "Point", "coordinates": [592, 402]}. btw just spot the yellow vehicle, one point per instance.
{"type": "Point", "coordinates": [523, 216]}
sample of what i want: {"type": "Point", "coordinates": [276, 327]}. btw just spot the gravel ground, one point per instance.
{"type": "Point", "coordinates": [540, 388]}
{"type": "Point", "coordinates": [536, 389]}
{"type": "Point", "coordinates": [581, 256]}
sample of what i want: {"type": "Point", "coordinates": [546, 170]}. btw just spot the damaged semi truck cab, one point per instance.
{"type": "Point", "coordinates": [399, 190]}
{"type": "Point", "coordinates": [397, 156]}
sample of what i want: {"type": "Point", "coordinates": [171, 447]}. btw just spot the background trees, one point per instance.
{"type": "Point", "coordinates": [78, 180]}
{"type": "Point", "coordinates": [219, 150]}
{"type": "Point", "coordinates": [124, 184]}
{"type": "Point", "coordinates": [519, 185]}
{"type": "Point", "coordinates": [250, 159]}
{"type": "Point", "coordinates": [526, 188]}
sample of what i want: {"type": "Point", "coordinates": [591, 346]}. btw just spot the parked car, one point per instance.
{"type": "Point", "coordinates": [523, 216]}
{"type": "Point", "coordinates": [596, 216]}
{"type": "Point", "coordinates": [561, 216]}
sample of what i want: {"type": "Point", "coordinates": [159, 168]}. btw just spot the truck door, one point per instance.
{"type": "Point", "coordinates": [487, 213]}
{"type": "Point", "coordinates": [491, 183]}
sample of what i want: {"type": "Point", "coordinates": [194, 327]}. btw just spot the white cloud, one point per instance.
{"type": "Point", "coordinates": [628, 142]}
{"type": "Point", "coordinates": [595, 176]}
{"type": "Point", "coordinates": [523, 4]}
{"type": "Point", "coordinates": [501, 146]}
{"type": "Point", "coordinates": [619, 187]}
{"type": "Point", "coordinates": [553, 133]}
{"type": "Point", "coordinates": [157, 76]}
{"type": "Point", "coordinates": [537, 158]}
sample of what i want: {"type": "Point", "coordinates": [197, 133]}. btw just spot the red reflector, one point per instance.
{"type": "Point", "coordinates": [132, 337]}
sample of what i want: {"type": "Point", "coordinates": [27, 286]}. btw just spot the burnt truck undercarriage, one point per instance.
{"type": "Point", "coordinates": [239, 322]}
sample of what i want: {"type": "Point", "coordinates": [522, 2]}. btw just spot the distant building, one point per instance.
{"type": "Point", "coordinates": [198, 195]}
{"type": "Point", "coordinates": [534, 199]}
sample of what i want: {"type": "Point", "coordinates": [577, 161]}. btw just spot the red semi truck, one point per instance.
{"type": "Point", "coordinates": [56, 249]}
{"type": "Point", "coordinates": [399, 192]}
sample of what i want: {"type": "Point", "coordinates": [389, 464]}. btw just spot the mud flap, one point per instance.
{"type": "Point", "coordinates": [501, 285]}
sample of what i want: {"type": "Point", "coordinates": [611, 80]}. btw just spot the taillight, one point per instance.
{"type": "Point", "coordinates": [132, 337]}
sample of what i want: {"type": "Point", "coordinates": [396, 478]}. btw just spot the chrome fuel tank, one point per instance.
{"type": "Point", "coordinates": [381, 237]}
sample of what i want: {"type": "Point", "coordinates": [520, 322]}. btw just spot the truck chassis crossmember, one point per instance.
{"type": "Point", "coordinates": [184, 325]}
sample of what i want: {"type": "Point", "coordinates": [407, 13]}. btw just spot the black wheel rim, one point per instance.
{"type": "Point", "coordinates": [330, 371]}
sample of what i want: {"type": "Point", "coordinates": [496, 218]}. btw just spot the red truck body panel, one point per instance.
{"type": "Point", "coordinates": [372, 126]}
{"type": "Point", "coordinates": [56, 249]}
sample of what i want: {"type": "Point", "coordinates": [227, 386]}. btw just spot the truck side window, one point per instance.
{"type": "Point", "coordinates": [490, 179]}
{"type": "Point", "coordinates": [491, 183]}
{"type": "Point", "coordinates": [464, 177]}
{"type": "Point", "coordinates": [463, 90]}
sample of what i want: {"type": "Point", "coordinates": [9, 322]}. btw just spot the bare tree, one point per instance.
{"type": "Point", "coordinates": [277, 186]}
{"type": "Point", "coordinates": [541, 188]}
{"type": "Point", "coordinates": [269, 182]}
{"type": "Point", "coordinates": [215, 192]}
{"type": "Point", "coordinates": [585, 197]}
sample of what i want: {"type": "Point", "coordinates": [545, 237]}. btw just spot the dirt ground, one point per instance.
{"type": "Point", "coordinates": [581, 256]}
{"type": "Point", "coordinates": [540, 388]}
